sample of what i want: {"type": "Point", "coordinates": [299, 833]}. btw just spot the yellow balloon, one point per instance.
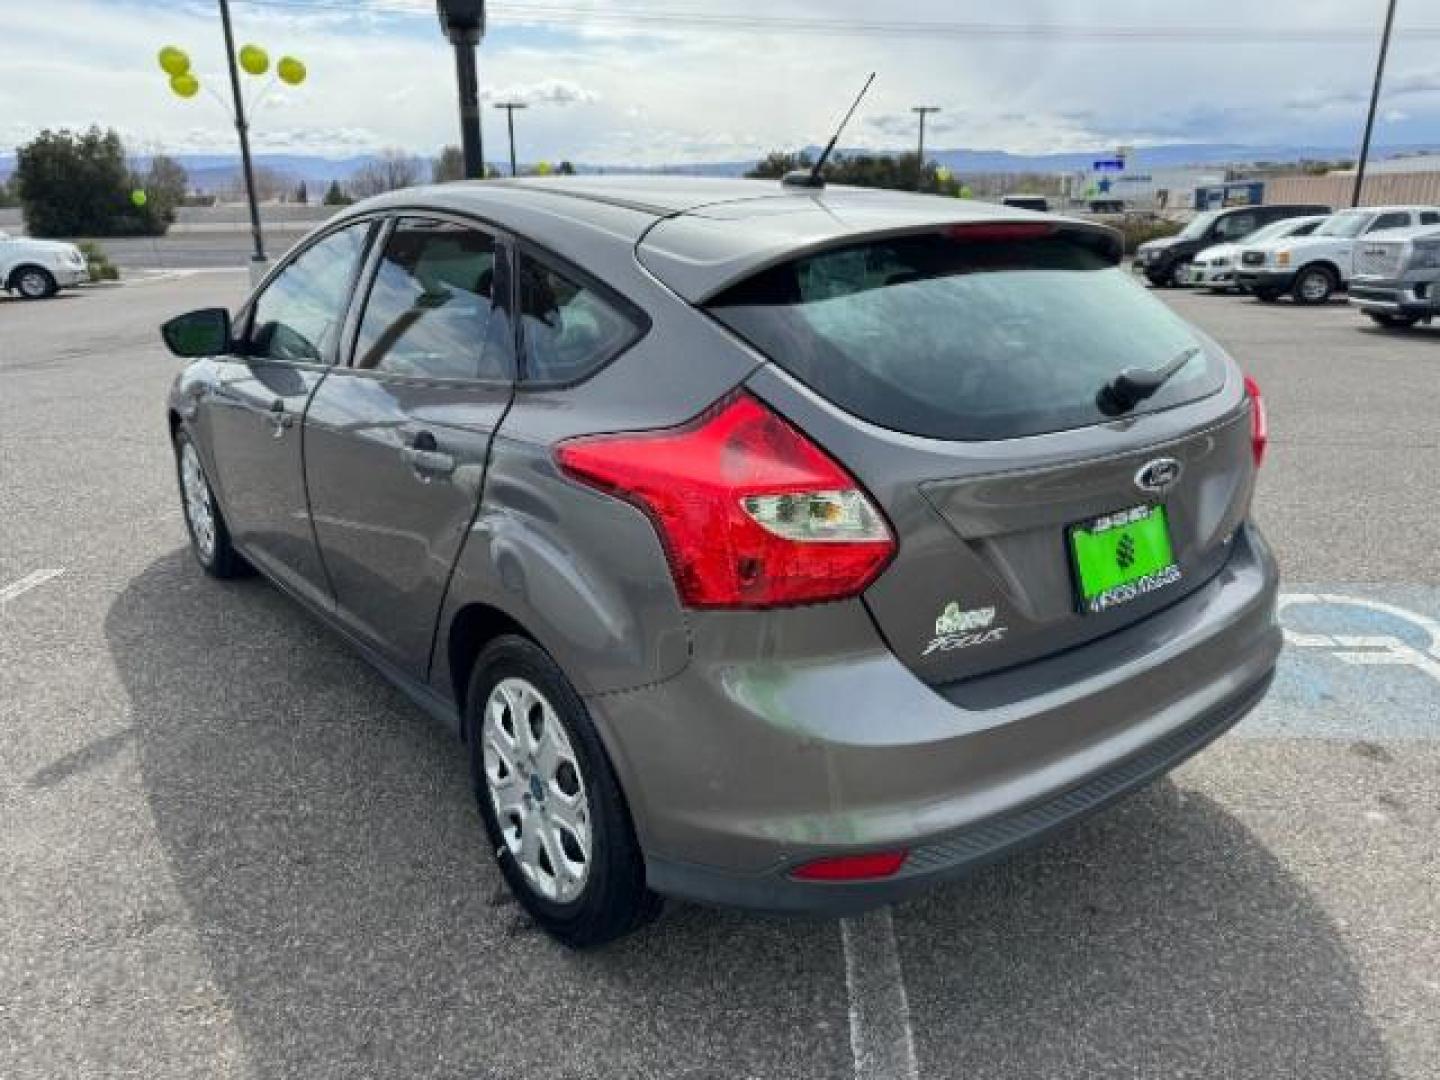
{"type": "Point", "coordinates": [543, 169]}
{"type": "Point", "coordinates": [173, 61]}
{"type": "Point", "coordinates": [254, 60]}
{"type": "Point", "coordinates": [290, 70]}
{"type": "Point", "coordinates": [185, 85]}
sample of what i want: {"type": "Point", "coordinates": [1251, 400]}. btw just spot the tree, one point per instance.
{"type": "Point", "coordinates": [8, 196]}
{"type": "Point", "coordinates": [448, 167]}
{"type": "Point", "coordinates": [78, 185]}
{"type": "Point", "coordinates": [389, 170]}
{"type": "Point", "coordinates": [302, 194]}
{"type": "Point", "coordinates": [335, 195]}
{"type": "Point", "coordinates": [165, 183]}
{"type": "Point", "coordinates": [778, 162]}
{"type": "Point", "coordinates": [565, 169]}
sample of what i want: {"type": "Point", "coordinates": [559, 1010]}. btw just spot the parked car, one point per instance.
{"type": "Point", "coordinates": [1214, 268]}
{"type": "Point", "coordinates": [1038, 203]}
{"type": "Point", "coordinates": [1397, 277]}
{"type": "Point", "coordinates": [1313, 268]}
{"type": "Point", "coordinates": [35, 269]}
{"type": "Point", "coordinates": [764, 552]}
{"type": "Point", "coordinates": [1166, 261]}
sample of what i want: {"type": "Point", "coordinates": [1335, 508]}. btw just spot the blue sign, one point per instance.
{"type": "Point", "coordinates": [1104, 186]}
{"type": "Point", "coordinates": [1110, 165]}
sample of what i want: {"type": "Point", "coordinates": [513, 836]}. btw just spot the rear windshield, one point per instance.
{"type": "Point", "coordinates": [964, 340]}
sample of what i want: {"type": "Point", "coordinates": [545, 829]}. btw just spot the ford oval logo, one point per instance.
{"type": "Point", "coordinates": [1158, 475]}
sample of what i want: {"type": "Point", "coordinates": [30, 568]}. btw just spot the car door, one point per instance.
{"type": "Point", "coordinates": [396, 442]}
{"type": "Point", "coordinates": [286, 344]}
{"type": "Point", "coordinates": [1390, 219]}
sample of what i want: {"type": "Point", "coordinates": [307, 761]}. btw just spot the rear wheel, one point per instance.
{"type": "Point", "coordinates": [1384, 318]}
{"type": "Point", "coordinates": [34, 282]}
{"type": "Point", "coordinates": [1314, 285]}
{"type": "Point", "coordinates": [552, 808]}
{"type": "Point", "coordinates": [209, 537]}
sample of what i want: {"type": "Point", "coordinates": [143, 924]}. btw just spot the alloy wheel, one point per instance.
{"type": "Point", "coordinates": [537, 790]}
{"type": "Point", "coordinates": [199, 510]}
{"type": "Point", "coordinates": [33, 285]}
{"type": "Point", "coordinates": [1314, 287]}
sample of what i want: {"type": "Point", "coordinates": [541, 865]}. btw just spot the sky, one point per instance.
{"type": "Point", "coordinates": [671, 81]}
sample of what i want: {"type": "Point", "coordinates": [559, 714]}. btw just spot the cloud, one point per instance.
{"type": "Point", "coordinates": [545, 92]}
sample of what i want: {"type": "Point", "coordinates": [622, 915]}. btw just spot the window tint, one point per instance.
{"type": "Point", "coordinates": [298, 316]}
{"type": "Point", "coordinates": [568, 329]}
{"type": "Point", "coordinates": [438, 306]}
{"type": "Point", "coordinates": [1430, 217]}
{"type": "Point", "coordinates": [955, 340]}
{"type": "Point", "coordinates": [1393, 220]}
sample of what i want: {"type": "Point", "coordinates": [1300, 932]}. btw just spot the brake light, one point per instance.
{"type": "Point", "coordinates": [875, 864]}
{"type": "Point", "coordinates": [750, 512]}
{"type": "Point", "coordinates": [1000, 231]}
{"type": "Point", "coordinates": [1259, 422]}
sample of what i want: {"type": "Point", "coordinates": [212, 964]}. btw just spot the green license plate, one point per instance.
{"type": "Point", "coordinates": [1121, 557]}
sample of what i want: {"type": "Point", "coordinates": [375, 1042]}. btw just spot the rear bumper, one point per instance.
{"type": "Point", "coordinates": [738, 772]}
{"type": "Point", "coordinates": [1279, 280]}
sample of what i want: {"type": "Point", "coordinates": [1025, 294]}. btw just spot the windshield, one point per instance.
{"type": "Point", "coordinates": [1273, 231]}
{"type": "Point", "coordinates": [1346, 224]}
{"type": "Point", "coordinates": [1199, 225]}
{"type": "Point", "coordinates": [965, 340]}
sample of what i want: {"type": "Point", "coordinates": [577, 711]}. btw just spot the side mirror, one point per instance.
{"type": "Point", "coordinates": [198, 333]}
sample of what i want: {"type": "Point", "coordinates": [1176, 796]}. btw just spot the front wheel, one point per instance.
{"type": "Point", "coordinates": [1314, 285]}
{"type": "Point", "coordinates": [553, 811]}
{"type": "Point", "coordinates": [209, 536]}
{"type": "Point", "coordinates": [34, 283]}
{"type": "Point", "coordinates": [1180, 274]}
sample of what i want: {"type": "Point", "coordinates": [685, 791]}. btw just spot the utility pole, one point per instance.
{"type": "Point", "coordinates": [464, 24]}
{"type": "Point", "coordinates": [510, 107]}
{"type": "Point", "coordinates": [243, 128]}
{"type": "Point", "coordinates": [920, 155]}
{"type": "Point", "coordinates": [1374, 101]}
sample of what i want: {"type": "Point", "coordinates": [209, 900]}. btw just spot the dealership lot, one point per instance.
{"type": "Point", "coordinates": [228, 848]}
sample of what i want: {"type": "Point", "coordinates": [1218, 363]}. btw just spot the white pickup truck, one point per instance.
{"type": "Point", "coordinates": [1312, 268]}
{"type": "Point", "coordinates": [39, 268]}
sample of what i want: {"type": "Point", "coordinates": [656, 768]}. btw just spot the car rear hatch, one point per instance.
{"type": "Point", "coordinates": [954, 371]}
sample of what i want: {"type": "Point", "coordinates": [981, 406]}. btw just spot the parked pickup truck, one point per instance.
{"type": "Point", "coordinates": [1397, 279]}
{"type": "Point", "coordinates": [39, 268]}
{"type": "Point", "coordinates": [1313, 268]}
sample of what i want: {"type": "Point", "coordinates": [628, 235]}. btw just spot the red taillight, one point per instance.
{"type": "Point", "coordinates": [750, 512]}
{"type": "Point", "coordinates": [1000, 231]}
{"type": "Point", "coordinates": [1259, 423]}
{"type": "Point", "coordinates": [875, 864]}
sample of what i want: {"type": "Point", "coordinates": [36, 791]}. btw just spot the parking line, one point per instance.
{"type": "Point", "coordinates": [28, 582]}
{"type": "Point", "coordinates": [880, 1035]}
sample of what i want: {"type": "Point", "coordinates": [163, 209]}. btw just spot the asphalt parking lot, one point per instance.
{"type": "Point", "coordinates": [228, 848]}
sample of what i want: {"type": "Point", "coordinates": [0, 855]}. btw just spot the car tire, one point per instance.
{"type": "Point", "coordinates": [1267, 296]}
{"type": "Point", "coordinates": [1314, 285]}
{"type": "Point", "coordinates": [209, 535]}
{"type": "Point", "coordinates": [33, 282]}
{"type": "Point", "coordinates": [1157, 281]}
{"type": "Point", "coordinates": [1179, 276]}
{"type": "Point", "coordinates": [553, 811]}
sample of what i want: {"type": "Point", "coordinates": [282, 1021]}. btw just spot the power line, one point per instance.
{"type": "Point", "coordinates": [567, 15]}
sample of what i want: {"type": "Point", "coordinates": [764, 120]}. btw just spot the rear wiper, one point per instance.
{"type": "Point", "coordinates": [1134, 385]}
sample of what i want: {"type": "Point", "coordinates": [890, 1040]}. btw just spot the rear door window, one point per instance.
{"type": "Point", "coordinates": [1394, 220]}
{"type": "Point", "coordinates": [962, 340]}
{"type": "Point", "coordinates": [569, 329]}
{"type": "Point", "coordinates": [438, 308]}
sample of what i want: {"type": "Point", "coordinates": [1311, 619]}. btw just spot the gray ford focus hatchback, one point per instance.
{"type": "Point", "coordinates": [789, 549]}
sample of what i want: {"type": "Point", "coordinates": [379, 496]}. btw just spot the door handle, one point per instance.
{"type": "Point", "coordinates": [426, 459]}
{"type": "Point", "coordinates": [279, 417]}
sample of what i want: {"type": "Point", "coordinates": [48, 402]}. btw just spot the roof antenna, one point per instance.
{"type": "Point", "coordinates": [813, 179]}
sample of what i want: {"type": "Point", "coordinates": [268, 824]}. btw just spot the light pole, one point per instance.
{"type": "Point", "coordinates": [243, 128]}
{"type": "Point", "coordinates": [921, 110]}
{"type": "Point", "coordinates": [510, 107]}
{"type": "Point", "coordinates": [1374, 101]}
{"type": "Point", "coordinates": [464, 24]}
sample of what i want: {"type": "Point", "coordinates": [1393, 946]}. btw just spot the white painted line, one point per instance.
{"type": "Point", "coordinates": [28, 582]}
{"type": "Point", "coordinates": [880, 1035]}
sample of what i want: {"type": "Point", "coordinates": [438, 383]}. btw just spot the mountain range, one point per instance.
{"type": "Point", "coordinates": [210, 172]}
